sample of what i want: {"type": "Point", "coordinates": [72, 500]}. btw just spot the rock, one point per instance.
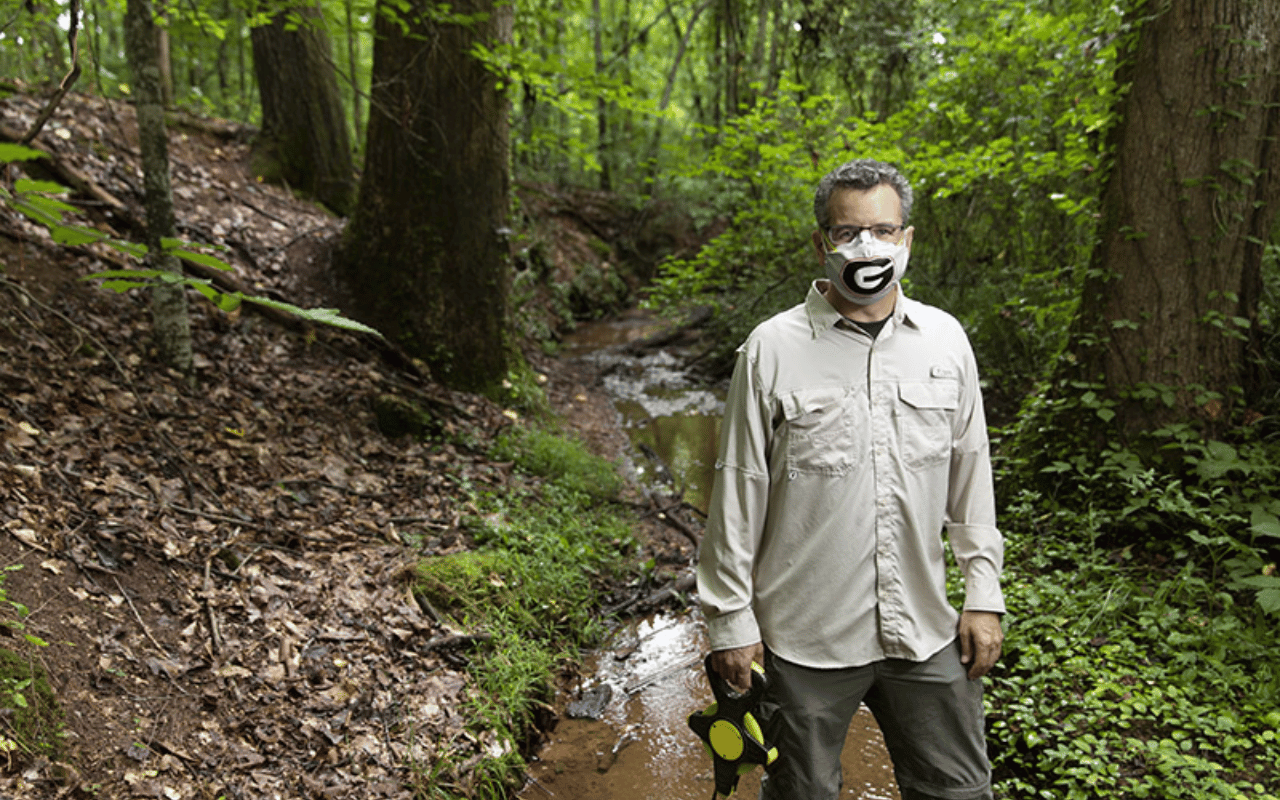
{"type": "Point", "coordinates": [592, 703]}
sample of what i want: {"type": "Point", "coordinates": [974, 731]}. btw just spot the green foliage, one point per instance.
{"type": "Point", "coordinates": [37, 201]}
{"type": "Point", "coordinates": [34, 719]}
{"type": "Point", "coordinates": [543, 556]}
{"type": "Point", "coordinates": [563, 461]}
{"type": "Point", "coordinates": [1129, 671]}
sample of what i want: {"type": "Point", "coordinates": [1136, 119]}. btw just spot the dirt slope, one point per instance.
{"type": "Point", "coordinates": [222, 574]}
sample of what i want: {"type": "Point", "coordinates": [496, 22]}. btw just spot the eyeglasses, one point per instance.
{"type": "Point", "coordinates": [844, 234]}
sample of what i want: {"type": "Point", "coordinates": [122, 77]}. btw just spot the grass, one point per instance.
{"type": "Point", "coordinates": [545, 552]}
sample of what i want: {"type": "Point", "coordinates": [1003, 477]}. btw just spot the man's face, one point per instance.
{"type": "Point", "coordinates": [863, 208]}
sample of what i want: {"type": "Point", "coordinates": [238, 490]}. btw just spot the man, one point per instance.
{"type": "Point", "coordinates": [853, 435]}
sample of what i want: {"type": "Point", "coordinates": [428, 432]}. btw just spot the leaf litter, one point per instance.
{"type": "Point", "coordinates": [222, 575]}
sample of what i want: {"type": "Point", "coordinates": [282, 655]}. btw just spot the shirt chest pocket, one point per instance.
{"type": "Point", "coordinates": [823, 431]}
{"type": "Point", "coordinates": [925, 412]}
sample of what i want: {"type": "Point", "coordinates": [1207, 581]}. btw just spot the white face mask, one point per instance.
{"type": "Point", "coordinates": [866, 269]}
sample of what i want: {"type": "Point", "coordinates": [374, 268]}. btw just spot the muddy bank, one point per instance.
{"type": "Point", "coordinates": [640, 747]}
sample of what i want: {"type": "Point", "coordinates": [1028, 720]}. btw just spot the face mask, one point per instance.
{"type": "Point", "coordinates": [866, 269]}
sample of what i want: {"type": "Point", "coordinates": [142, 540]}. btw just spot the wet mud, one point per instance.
{"type": "Point", "coordinates": [641, 747]}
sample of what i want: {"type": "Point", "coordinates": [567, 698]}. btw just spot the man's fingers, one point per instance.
{"type": "Point", "coordinates": [735, 665]}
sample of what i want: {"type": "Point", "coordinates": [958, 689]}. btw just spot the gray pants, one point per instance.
{"type": "Point", "coordinates": [929, 712]}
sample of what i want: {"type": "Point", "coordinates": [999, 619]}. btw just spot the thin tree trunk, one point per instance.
{"type": "Point", "coordinates": [172, 329]}
{"type": "Point", "coordinates": [602, 106]}
{"type": "Point", "coordinates": [164, 59]}
{"type": "Point", "coordinates": [353, 60]}
{"type": "Point", "coordinates": [681, 47]}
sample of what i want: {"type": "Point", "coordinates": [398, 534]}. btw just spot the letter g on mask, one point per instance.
{"type": "Point", "coordinates": [866, 269]}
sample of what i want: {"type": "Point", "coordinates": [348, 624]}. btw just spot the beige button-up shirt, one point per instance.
{"type": "Point", "coordinates": [841, 461]}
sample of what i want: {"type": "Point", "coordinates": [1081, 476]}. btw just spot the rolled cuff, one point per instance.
{"type": "Point", "coordinates": [732, 630]}
{"type": "Point", "coordinates": [982, 587]}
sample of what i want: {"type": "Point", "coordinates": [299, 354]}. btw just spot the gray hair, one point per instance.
{"type": "Point", "coordinates": [862, 174]}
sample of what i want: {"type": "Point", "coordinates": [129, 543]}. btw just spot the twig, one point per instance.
{"type": "Point", "coordinates": [215, 633]}
{"type": "Point", "coordinates": [138, 617]}
{"type": "Point", "coordinates": [538, 784]}
{"type": "Point", "coordinates": [666, 516]}
{"type": "Point", "coordinates": [644, 683]}
{"type": "Point", "coordinates": [73, 40]}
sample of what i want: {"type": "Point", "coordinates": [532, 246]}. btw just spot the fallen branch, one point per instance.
{"type": "Point", "coordinates": [699, 317]}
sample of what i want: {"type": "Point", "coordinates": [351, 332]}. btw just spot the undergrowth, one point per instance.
{"type": "Point", "coordinates": [31, 720]}
{"type": "Point", "coordinates": [1141, 639]}
{"type": "Point", "coordinates": [545, 550]}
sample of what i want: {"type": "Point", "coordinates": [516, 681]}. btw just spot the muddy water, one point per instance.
{"type": "Point", "coordinates": [641, 748]}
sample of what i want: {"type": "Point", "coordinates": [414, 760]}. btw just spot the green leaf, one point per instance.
{"type": "Point", "coordinates": [1269, 599]}
{"type": "Point", "coordinates": [129, 248]}
{"type": "Point", "coordinates": [133, 274]}
{"type": "Point", "coordinates": [16, 152]}
{"type": "Point", "coordinates": [120, 287]}
{"type": "Point", "coordinates": [1264, 524]}
{"type": "Point", "coordinates": [201, 258]}
{"type": "Point", "coordinates": [225, 302]}
{"type": "Point", "coordinates": [73, 235]}
{"type": "Point", "coordinates": [325, 316]}
{"type": "Point", "coordinates": [29, 185]}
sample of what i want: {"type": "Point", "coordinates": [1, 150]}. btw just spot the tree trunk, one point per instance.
{"type": "Point", "coordinates": [1169, 309]}
{"type": "Point", "coordinates": [602, 106]}
{"type": "Point", "coordinates": [164, 61]}
{"type": "Point", "coordinates": [425, 254]}
{"type": "Point", "coordinates": [304, 139]}
{"type": "Point", "coordinates": [172, 328]}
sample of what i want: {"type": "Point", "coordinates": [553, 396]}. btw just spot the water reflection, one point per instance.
{"type": "Point", "coordinates": [672, 419]}
{"type": "Point", "coordinates": [642, 748]}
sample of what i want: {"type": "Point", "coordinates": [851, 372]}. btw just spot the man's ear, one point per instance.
{"type": "Point", "coordinates": [819, 247]}
{"type": "Point", "coordinates": [910, 234]}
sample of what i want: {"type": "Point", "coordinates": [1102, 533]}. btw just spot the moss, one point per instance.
{"type": "Point", "coordinates": [32, 715]}
{"type": "Point", "coordinates": [397, 416]}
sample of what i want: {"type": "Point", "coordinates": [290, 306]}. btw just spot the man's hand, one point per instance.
{"type": "Point", "coordinates": [735, 665]}
{"type": "Point", "coordinates": [981, 638]}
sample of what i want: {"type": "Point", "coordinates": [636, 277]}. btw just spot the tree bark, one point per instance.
{"type": "Point", "coordinates": [304, 139]}
{"type": "Point", "coordinates": [171, 326]}
{"type": "Point", "coordinates": [1169, 307]}
{"type": "Point", "coordinates": [425, 255]}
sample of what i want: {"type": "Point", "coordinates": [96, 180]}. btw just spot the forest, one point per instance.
{"type": "Point", "coordinates": [284, 284]}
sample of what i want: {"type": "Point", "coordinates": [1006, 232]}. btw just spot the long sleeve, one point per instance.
{"type": "Point", "coordinates": [971, 513]}
{"type": "Point", "coordinates": [736, 516]}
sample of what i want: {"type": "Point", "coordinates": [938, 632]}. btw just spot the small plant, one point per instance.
{"type": "Point", "coordinates": [33, 718]}
{"type": "Point", "coordinates": [37, 200]}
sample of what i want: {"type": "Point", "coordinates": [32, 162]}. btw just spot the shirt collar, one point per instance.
{"type": "Point", "coordinates": [823, 316]}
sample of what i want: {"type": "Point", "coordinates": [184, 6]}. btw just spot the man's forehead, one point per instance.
{"type": "Point", "coordinates": [880, 202]}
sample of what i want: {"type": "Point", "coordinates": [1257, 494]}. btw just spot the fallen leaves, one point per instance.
{"type": "Point", "coordinates": [224, 574]}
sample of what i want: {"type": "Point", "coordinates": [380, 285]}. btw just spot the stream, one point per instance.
{"type": "Point", "coordinates": [641, 747]}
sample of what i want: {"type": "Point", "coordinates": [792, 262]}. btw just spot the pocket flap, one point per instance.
{"type": "Point", "coordinates": [933, 394]}
{"type": "Point", "coordinates": [806, 401]}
